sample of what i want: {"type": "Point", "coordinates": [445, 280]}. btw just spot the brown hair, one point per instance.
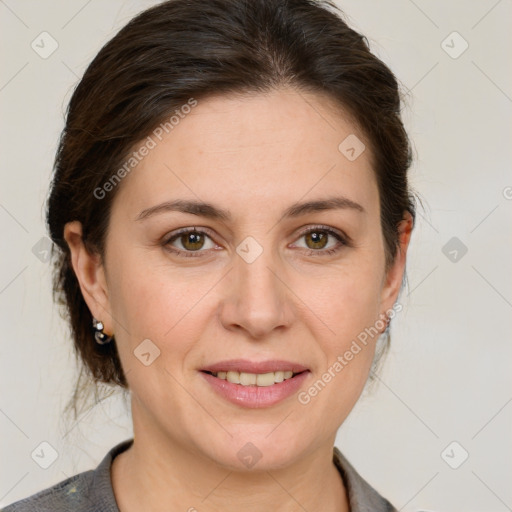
{"type": "Point", "coordinates": [183, 49]}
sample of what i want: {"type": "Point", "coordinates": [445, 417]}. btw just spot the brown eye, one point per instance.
{"type": "Point", "coordinates": [192, 241]}
{"type": "Point", "coordinates": [316, 239]}
{"type": "Point", "coordinates": [188, 241]}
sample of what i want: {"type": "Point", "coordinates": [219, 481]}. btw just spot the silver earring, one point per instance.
{"type": "Point", "coordinates": [99, 335]}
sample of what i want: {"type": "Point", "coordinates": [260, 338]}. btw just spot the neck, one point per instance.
{"type": "Point", "coordinates": [144, 481]}
{"type": "Point", "coordinates": [158, 473]}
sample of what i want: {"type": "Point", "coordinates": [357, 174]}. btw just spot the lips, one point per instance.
{"type": "Point", "coordinates": [255, 384]}
{"type": "Point", "coordinates": [245, 366]}
{"type": "Point", "coordinates": [255, 396]}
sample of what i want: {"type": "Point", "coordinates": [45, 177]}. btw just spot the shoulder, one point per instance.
{"type": "Point", "coordinates": [361, 495]}
{"type": "Point", "coordinates": [88, 491]}
{"type": "Point", "coordinates": [69, 494]}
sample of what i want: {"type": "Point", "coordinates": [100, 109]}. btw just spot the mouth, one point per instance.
{"type": "Point", "coordinates": [255, 384]}
{"type": "Point", "coordinates": [254, 379]}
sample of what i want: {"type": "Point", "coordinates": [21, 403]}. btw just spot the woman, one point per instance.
{"type": "Point", "coordinates": [232, 214]}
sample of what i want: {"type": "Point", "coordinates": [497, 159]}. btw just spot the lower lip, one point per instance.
{"type": "Point", "coordinates": [256, 396]}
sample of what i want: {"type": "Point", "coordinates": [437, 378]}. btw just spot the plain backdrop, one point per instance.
{"type": "Point", "coordinates": [434, 432]}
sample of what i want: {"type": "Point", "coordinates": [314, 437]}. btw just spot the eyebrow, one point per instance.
{"type": "Point", "coordinates": [210, 211]}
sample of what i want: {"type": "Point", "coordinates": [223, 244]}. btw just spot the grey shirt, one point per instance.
{"type": "Point", "coordinates": [91, 491]}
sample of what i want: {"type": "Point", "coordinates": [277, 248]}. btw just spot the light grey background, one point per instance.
{"type": "Point", "coordinates": [448, 376]}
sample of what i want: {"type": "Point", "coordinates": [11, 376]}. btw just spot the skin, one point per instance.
{"type": "Point", "coordinates": [254, 155]}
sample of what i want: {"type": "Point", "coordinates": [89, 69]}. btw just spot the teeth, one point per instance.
{"type": "Point", "coordinates": [248, 379]}
{"type": "Point", "coordinates": [254, 379]}
{"type": "Point", "coordinates": [265, 379]}
{"type": "Point", "coordinates": [233, 377]}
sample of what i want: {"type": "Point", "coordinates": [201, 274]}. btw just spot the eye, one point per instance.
{"type": "Point", "coordinates": [317, 241]}
{"type": "Point", "coordinates": [190, 240]}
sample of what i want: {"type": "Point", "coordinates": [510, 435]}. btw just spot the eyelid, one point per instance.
{"type": "Point", "coordinates": [190, 229]}
{"type": "Point", "coordinates": [302, 232]}
{"type": "Point", "coordinates": [330, 229]}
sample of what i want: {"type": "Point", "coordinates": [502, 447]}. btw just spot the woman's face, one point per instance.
{"type": "Point", "coordinates": [269, 281]}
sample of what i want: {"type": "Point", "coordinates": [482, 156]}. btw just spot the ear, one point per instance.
{"type": "Point", "coordinates": [90, 273]}
{"type": "Point", "coordinates": [394, 275]}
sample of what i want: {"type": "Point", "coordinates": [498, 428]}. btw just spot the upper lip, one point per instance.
{"type": "Point", "coordinates": [246, 366]}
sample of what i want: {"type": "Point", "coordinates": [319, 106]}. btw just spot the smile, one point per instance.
{"type": "Point", "coordinates": [254, 379]}
{"type": "Point", "coordinates": [253, 385]}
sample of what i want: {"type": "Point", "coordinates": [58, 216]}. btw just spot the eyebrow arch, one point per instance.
{"type": "Point", "coordinates": [210, 211]}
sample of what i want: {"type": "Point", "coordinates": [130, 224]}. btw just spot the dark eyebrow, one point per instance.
{"type": "Point", "coordinates": [213, 212]}
{"type": "Point", "coordinates": [333, 203]}
{"type": "Point", "coordinates": [187, 206]}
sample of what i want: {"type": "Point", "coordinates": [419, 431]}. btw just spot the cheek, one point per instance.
{"type": "Point", "coordinates": [153, 300]}
{"type": "Point", "coordinates": [348, 301]}
{"type": "Point", "coordinates": [144, 300]}
{"type": "Point", "coordinates": [350, 308]}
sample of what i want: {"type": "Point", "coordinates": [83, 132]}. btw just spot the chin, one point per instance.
{"type": "Point", "coordinates": [258, 449]}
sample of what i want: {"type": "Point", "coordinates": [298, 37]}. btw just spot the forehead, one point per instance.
{"type": "Point", "coordinates": [254, 149]}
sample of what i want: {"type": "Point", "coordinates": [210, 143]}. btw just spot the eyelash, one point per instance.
{"type": "Point", "coordinates": [343, 241]}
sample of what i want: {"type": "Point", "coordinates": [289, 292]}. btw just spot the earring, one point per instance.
{"type": "Point", "coordinates": [99, 335]}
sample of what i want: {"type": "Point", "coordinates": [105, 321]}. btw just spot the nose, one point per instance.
{"type": "Point", "coordinates": [257, 299]}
